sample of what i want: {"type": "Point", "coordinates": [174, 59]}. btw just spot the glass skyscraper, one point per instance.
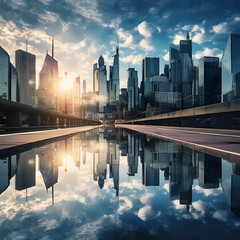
{"type": "Point", "coordinates": [4, 74]}
{"type": "Point", "coordinates": [14, 85]}
{"type": "Point", "coordinates": [230, 66]}
{"type": "Point", "coordinates": [132, 86]}
{"type": "Point", "coordinates": [26, 68]}
{"type": "Point", "coordinates": [150, 67]}
{"type": "Point", "coordinates": [209, 81]}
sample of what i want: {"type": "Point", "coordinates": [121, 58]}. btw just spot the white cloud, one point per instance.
{"type": "Point", "coordinates": [166, 58]}
{"type": "Point", "coordinates": [146, 198]}
{"type": "Point", "coordinates": [144, 29]}
{"type": "Point", "coordinates": [158, 29]}
{"type": "Point", "coordinates": [179, 36]}
{"type": "Point", "coordinates": [186, 27]}
{"type": "Point", "coordinates": [145, 213]}
{"type": "Point", "coordinates": [220, 28]}
{"type": "Point", "coordinates": [221, 215]}
{"type": "Point", "coordinates": [208, 192]}
{"type": "Point", "coordinates": [128, 40]}
{"type": "Point", "coordinates": [153, 10]}
{"type": "Point", "coordinates": [166, 15]}
{"type": "Point", "coordinates": [214, 52]}
{"type": "Point", "coordinates": [134, 59]}
{"type": "Point", "coordinates": [146, 45]}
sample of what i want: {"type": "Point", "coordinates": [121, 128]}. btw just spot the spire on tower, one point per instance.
{"type": "Point", "coordinates": [188, 36]}
{"type": "Point", "coordinates": [52, 47]}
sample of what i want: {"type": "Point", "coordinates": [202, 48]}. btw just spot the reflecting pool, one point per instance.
{"type": "Point", "coordinates": [117, 184]}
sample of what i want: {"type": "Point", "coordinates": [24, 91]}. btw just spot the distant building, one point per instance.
{"type": "Point", "coordinates": [150, 67]}
{"type": "Point", "coordinates": [166, 70]}
{"type": "Point", "coordinates": [209, 81]}
{"type": "Point", "coordinates": [26, 68]}
{"type": "Point", "coordinates": [95, 83]}
{"type": "Point", "coordinates": [84, 87]}
{"type": "Point", "coordinates": [77, 96]}
{"type": "Point", "coordinates": [5, 77]}
{"type": "Point", "coordinates": [230, 67]}
{"type": "Point", "coordinates": [132, 86]}
{"type": "Point", "coordinates": [186, 46]}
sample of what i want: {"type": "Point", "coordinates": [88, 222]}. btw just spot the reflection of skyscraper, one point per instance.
{"type": "Point", "coordinates": [25, 65]}
{"type": "Point", "coordinates": [209, 171]}
{"type": "Point", "coordinates": [25, 175]}
{"type": "Point", "coordinates": [113, 149]}
{"type": "Point", "coordinates": [132, 158]}
{"type": "Point", "coordinates": [100, 162]}
{"type": "Point", "coordinates": [231, 185]}
{"type": "Point", "coordinates": [4, 174]}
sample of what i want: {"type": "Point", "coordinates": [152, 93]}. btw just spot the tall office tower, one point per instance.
{"type": "Point", "coordinates": [100, 79]}
{"type": "Point", "coordinates": [230, 66]}
{"type": "Point", "coordinates": [209, 81]}
{"type": "Point", "coordinates": [26, 68]}
{"type": "Point", "coordinates": [84, 87]}
{"type": "Point", "coordinates": [114, 85]}
{"type": "Point", "coordinates": [132, 155]}
{"type": "Point", "coordinates": [95, 83]}
{"type": "Point", "coordinates": [14, 85]}
{"type": "Point", "coordinates": [166, 70]}
{"type": "Point", "coordinates": [186, 46]}
{"type": "Point", "coordinates": [150, 67]}
{"type": "Point", "coordinates": [187, 79]}
{"type": "Point", "coordinates": [5, 77]}
{"type": "Point", "coordinates": [132, 86]}
{"type": "Point", "coordinates": [175, 67]}
{"type": "Point", "coordinates": [77, 96]}
{"type": "Point", "coordinates": [48, 89]}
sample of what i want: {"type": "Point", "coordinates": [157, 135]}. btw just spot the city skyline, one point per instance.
{"type": "Point", "coordinates": [87, 30]}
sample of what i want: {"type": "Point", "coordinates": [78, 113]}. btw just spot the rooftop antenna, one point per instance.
{"type": "Point", "coordinates": [26, 44]}
{"type": "Point", "coordinates": [188, 36]}
{"type": "Point", "coordinates": [52, 47]}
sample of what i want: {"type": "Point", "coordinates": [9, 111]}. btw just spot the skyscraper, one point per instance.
{"type": "Point", "coordinates": [100, 85]}
{"type": "Point", "coordinates": [114, 85]}
{"type": "Point", "coordinates": [15, 95]}
{"type": "Point", "coordinates": [166, 70]}
{"type": "Point", "coordinates": [150, 67]}
{"type": "Point", "coordinates": [209, 81]}
{"type": "Point", "coordinates": [84, 87]}
{"type": "Point", "coordinates": [230, 66]}
{"type": "Point", "coordinates": [186, 46]}
{"type": "Point", "coordinates": [132, 86]}
{"type": "Point", "coordinates": [77, 96]}
{"type": "Point", "coordinates": [48, 89]}
{"type": "Point", "coordinates": [25, 65]}
{"type": "Point", "coordinates": [4, 74]}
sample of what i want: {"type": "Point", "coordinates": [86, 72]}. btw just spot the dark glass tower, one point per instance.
{"type": "Point", "coordinates": [4, 74]}
{"type": "Point", "coordinates": [230, 66]}
{"type": "Point", "coordinates": [209, 81]}
{"type": "Point", "coordinates": [26, 68]}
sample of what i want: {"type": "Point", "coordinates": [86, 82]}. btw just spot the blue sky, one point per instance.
{"type": "Point", "coordinates": [84, 29]}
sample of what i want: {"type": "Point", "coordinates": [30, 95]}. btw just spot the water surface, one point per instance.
{"type": "Point", "coordinates": [118, 184]}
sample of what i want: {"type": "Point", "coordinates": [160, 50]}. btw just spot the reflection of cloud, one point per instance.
{"type": "Point", "coordinates": [207, 192]}
{"type": "Point", "coordinates": [166, 187]}
{"type": "Point", "coordinates": [145, 199]}
{"type": "Point", "coordinates": [221, 215]}
{"type": "Point", "coordinates": [145, 213]}
{"type": "Point", "coordinates": [132, 185]}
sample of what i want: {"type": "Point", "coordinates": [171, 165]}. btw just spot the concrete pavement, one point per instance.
{"type": "Point", "coordinates": [221, 143]}
{"type": "Point", "coordinates": [17, 139]}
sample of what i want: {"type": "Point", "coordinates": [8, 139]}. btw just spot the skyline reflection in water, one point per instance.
{"type": "Point", "coordinates": [118, 184]}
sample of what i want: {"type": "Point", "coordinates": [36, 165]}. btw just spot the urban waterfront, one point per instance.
{"type": "Point", "coordinates": [117, 184]}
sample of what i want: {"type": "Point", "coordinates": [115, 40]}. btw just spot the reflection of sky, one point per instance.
{"type": "Point", "coordinates": [82, 210]}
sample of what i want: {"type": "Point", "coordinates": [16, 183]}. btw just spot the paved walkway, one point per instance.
{"type": "Point", "coordinates": [16, 139]}
{"type": "Point", "coordinates": [221, 143]}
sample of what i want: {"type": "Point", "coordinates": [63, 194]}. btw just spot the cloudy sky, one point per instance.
{"type": "Point", "coordinates": [84, 29]}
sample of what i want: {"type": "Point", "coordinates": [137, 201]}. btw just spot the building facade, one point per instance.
{"type": "Point", "coordinates": [132, 86]}
{"type": "Point", "coordinates": [26, 67]}
{"type": "Point", "coordinates": [230, 66]}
